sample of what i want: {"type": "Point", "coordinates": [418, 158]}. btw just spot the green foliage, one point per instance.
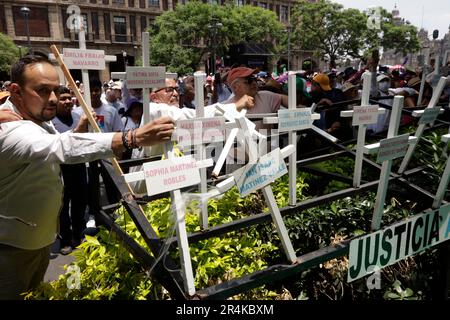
{"type": "Point", "coordinates": [338, 33]}
{"type": "Point", "coordinates": [9, 53]}
{"type": "Point", "coordinates": [398, 293]}
{"type": "Point", "coordinates": [182, 38]}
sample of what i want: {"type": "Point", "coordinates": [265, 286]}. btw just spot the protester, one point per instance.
{"type": "Point", "coordinates": [71, 224]}
{"type": "Point", "coordinates": [30, 184]}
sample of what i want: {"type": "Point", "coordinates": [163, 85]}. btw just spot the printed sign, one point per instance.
{"type": "Point", "coordinates": [365, 115]}
{"type": "Point", "coordinates": [84, 59]}
{"type": "Point", "coordinates": [403, 239]}
{"type": "Point", "coordinates": [255, 176]}
{"type": "Point", "coordinates": [299, 119]}
{"type": "Point", "coordinates": [146, 77]}
{"type": "Point", "coordinates": [429, 115]}
{"type": "Point", "coordinates": [199, 131]}
{"type": "Point", "coordinates": [393, 148]}
{"type": "Point", "coordinates": [172, 174]}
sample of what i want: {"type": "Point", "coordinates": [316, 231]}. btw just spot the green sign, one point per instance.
{"type": "Point", "coordinates": [394, 243]}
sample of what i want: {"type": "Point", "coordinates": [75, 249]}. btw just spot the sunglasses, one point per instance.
{"type": "Point", "coordinates": [168, 89]}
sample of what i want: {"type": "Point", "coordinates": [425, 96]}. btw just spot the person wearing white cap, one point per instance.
{"type": "Point", "coordinates": [384, 83]}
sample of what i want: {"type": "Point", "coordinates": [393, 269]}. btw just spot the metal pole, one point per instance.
{"type": "Point", "coordinates": [25, 12]}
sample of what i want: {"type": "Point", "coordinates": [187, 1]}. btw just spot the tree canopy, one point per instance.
{"type": "Point", "coordinates": [9, 53]}
{"type": "Point", "coordinates": [181, 39]}
{"type": "Point", "coordinates": [338, 33]}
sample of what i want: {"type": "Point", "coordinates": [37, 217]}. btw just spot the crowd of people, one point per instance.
{"type": "Point", "coordinates": [44, 135]}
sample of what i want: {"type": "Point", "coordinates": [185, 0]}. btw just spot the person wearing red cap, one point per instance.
{"type": "Point", "coordinates": [242, 81]}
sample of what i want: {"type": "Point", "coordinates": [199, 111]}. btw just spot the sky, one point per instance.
{"type": "Point", "coordinates": [429, 14]}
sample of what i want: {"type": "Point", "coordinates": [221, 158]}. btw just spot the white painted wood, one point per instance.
{"type": "Point", "coordinates": [361, 132]}
{"type": "Point", "coordinates": [292, 98]}
{"type": "Point", "coordinates": [434, 100]}
{"type": "Point", "coordinates": [199, 83]}
{"type": "Point", "coordinates": [146, 91]}
{"type": "Point", "coordinates": [279, 224]}
{"type": "Point", "coordinates": [387, 165]}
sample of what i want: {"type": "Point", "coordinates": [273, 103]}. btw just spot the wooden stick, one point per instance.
{"type": "Point", "coordinates": [87, 110]}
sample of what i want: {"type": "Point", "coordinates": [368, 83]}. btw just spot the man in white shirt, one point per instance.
{"type": "Point", "coordinates": [30, 184]}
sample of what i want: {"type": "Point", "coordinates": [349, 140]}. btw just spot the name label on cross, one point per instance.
{"type": "Point", "coordinates": [364, 115]}
{"type": "Point", "coordinates": [84, 59]}
{"type": "Point", "coordinates": [393, 148]}
{"type": "Point", "coordinates": [289, 120]}
{"type": "Point", "coordinates": [146, 77]}
{"type": "Point", "coordinates": [429, 115]}
{"type": "Point", "coordinates": [255, 176]}
{"type": "Point", "coordinates": [172, 174]}
{"type": "Point", "coordinates": [199, 131]}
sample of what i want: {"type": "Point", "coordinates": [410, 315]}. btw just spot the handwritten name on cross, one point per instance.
{"type": "Point", "coordinates": [171, 175]}
{"type": "Point", "coordinates": [362, 116]}
{"type": "Point", "coordinates": [262, 170]}
{"type": "Point", "coordinates": [392, 147]}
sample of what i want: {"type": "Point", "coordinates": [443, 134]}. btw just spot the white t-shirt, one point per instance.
{"type": "Point", "coordinates": [108, 118]}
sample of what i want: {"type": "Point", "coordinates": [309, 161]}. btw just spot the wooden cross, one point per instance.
{"type": "Point", "coordinates": [392, 147]}
{"type": "Point", "coordinates": [255, 171]}
{"type": "Point", "coordinates": [434, 100]}
{"type": "Point", "coordinates": [362, 116]}
{"type": "Point", "coordinates": [171, 175]}
{"type": "Point", "coordinates": [291, 121]}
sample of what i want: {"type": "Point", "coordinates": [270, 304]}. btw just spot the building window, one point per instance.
{"type": "Point", "coordinates": [153, 3]}
{"type": "Point", "coordinates": [120, 29]}
{"type": "Point", "coordinates": [37, 22]}
{"type": "Point", "coordinates": [131, 3]}
{"type": "Point", "coordinates": [142, 4]}
{"type": "Point", "coordinates": [183, 1]}
{"type": "Point", "coordinates": [284, 13]}
{"type": "Point", "coordinates": [143, 23]}
{"type": "Point", "coordinates": [2, 19]}
{"type": "Point", "coordinates": [107, 23]}
{"type": "Point", "coordinates": [105, 1]}
{"type": "Point", "coordinates": [93, 1]}
{"type": "Point", "coordinates": [262, 5]}
{"type": "Point", "coordinates": [118, 1]}
{"type": "Point", "coordinates": [133, 27]}
{"type": "Point", "coordinates": [65, 16]}
{"type": "Point", "coordinates": [94, 16]}
{"type": "Point", "coordinates": [240, 3]}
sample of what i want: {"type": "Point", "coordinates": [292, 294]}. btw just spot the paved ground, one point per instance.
{"type": "Point", "coordinates": [57, 262]}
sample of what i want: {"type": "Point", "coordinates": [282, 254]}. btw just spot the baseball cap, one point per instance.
{"type": "Point", "coordinates": [323, 81]}
{"type": "Point", "coordinates": [348, 86]}
{"type": "Point", "coordinates": [4, 94]}
{"type": "Point", "coordinates": [239, 72]}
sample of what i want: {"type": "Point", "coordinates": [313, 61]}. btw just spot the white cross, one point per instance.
{"type": "Point", "coordinates": [178, 207]}
{"type": "Point", "coordinates": [251, 147]}
{"type": "Point", "coordinates": [434, 100]}
{"type": "Point", "coordinates": [392, 147]}
{"type": "Point", "coordinates": [291, 120]}
{"type": "Point", "coordinates": [359, 113]}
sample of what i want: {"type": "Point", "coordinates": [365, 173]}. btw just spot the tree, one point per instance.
{"type": "Point", "coordinates": [336, 32]}
{"type": "Point", "coordinates": [182, 38]}
{"type": "Point", "coordinates": [9, 53]}
{"type": "Point", "coordinates": [329, 29]}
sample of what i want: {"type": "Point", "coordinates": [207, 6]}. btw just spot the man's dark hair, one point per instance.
{"type": "Point", "coordinates": [62, 89]}
{"type": "Point", "coordinates": [18, 68]}
{"type": "Point", "coordinates": [95, 83]}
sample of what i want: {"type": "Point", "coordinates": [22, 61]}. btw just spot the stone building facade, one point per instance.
{"type": "Point", "coordinates": [111, 25]}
